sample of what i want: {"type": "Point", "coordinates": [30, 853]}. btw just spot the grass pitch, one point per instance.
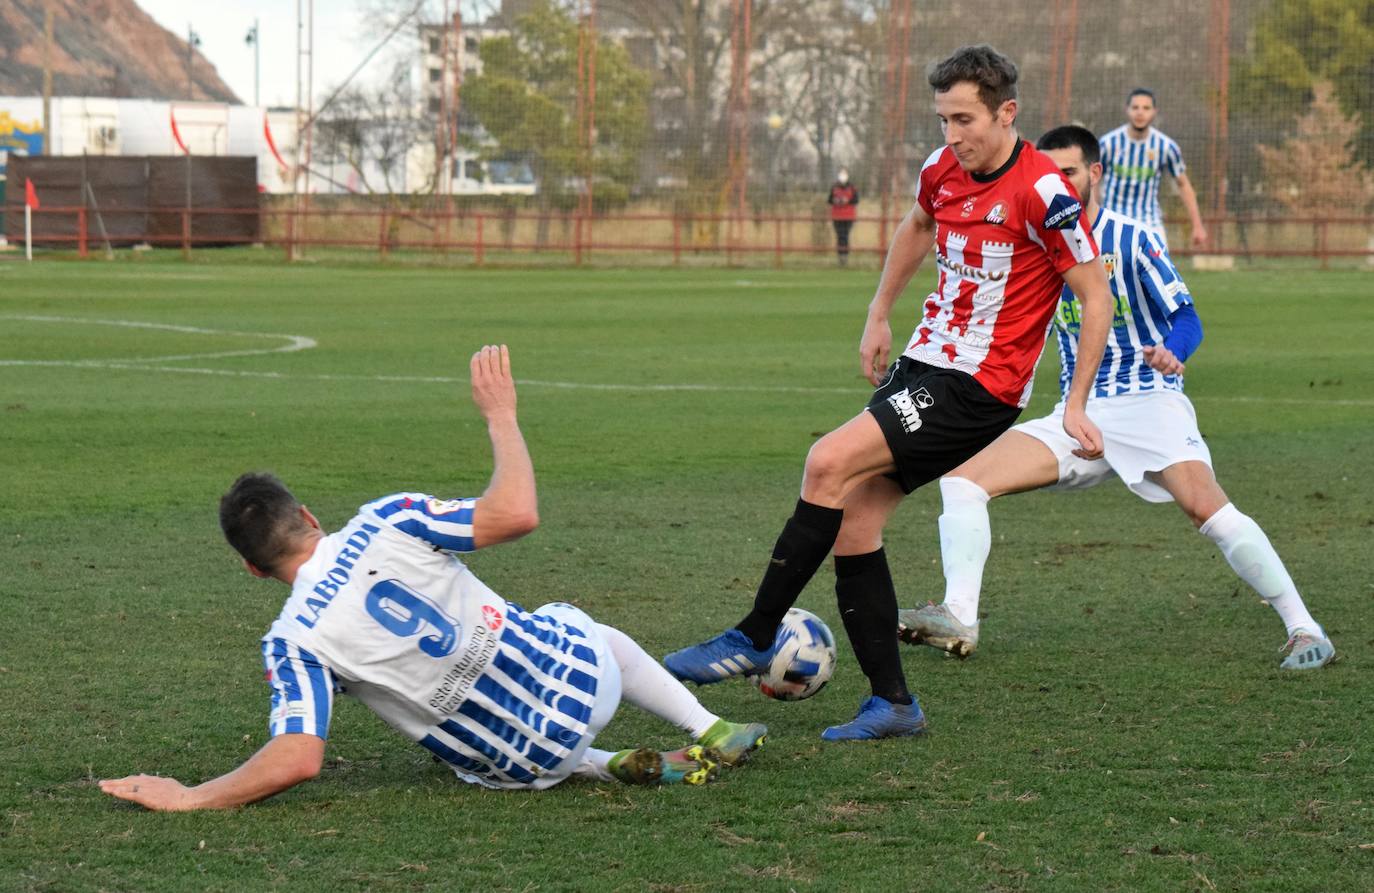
{"type": "Point", "coordinates": [1123, 726]}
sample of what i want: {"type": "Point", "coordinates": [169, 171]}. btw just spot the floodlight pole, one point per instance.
{"type": "Point", "coordinates": [255, 38]}
{"type": "Point", "coordinates": [305, 118]}
{"type": "Point", "coordinates": [47, 78]}
{"type": "Point", "coordinates": [192, 41]}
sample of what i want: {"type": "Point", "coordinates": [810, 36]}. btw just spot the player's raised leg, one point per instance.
{"type": "Point", "coordinates": [868, 606]}
{"type": "Point", "coordinates": [1013, 463]}
{"type": "Point", "coordinates": [836, 464]}
{"type": "Point", "coordinates": [1250, 554]}
{"type": "Point", "coordinates": [652, 689]}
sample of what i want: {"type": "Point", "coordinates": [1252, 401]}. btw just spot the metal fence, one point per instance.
{"type": "Point", "coordinates": [748, 107]}
{"type": "Point", "coordinates": [709, 130]}
{"type": "Point", "coordinates": [512, 237]}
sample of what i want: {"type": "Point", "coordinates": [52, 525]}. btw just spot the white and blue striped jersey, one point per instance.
{"type": "Point", "coordinates": [1146, 289]}
{"type": "Point", "coordinates": [1131, 173]}
{"type": "Point", "coordinates": [385, 612]}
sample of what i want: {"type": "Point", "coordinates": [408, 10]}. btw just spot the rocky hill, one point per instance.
{"type": "Point", "coordinates": [100, 48]}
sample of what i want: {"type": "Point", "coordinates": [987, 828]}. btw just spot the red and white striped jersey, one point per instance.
{"type": "Point", "coordinates": [1002, 242]}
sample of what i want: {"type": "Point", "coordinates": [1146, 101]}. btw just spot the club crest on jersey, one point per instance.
{"type": "Point", "coordinates": [968, 206]}
{"type": "Point", "coordinates": [906, 410]}
{"type": "Point", "coordinates": [1151, 154]}
{"type": "Point", "coordinates": [443, 506]}
{"type": "Point", "coordinates": [1111, 262]}
{"type": "Point", "coordinates": [998, 214]}
{"type": "Point", "coordinates": [1063, 212]}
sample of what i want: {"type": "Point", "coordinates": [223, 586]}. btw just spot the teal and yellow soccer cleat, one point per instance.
{"type": "Point", "coordinates": [734, 741]}
{"type": "Point", "coordinates": [692, 765]}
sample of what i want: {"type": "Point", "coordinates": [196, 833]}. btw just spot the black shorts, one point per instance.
{"type": "Point", "coordinates": [935, 419]}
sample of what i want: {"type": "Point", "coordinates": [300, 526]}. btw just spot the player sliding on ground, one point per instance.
{"type": "Point", "coordinates": [384, 611]}
{"type": "Point", "coordinates": [1007, 236]}
{"type": "Point", "coordinates": [1149, 432]}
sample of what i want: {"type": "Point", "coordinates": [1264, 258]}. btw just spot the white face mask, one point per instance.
{"type": "Point", "coordinates": [843, 177]}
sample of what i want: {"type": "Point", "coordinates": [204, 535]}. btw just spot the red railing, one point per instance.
{"type": "Point", "coordinates": [581, 236]}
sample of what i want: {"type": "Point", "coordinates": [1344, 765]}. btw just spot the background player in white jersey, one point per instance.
{"type": "Point", "coordinates": [1150, 436]}
{"type": "Point", "coordinates": [1007, 233]}
{"type": "Point", "coordinates": [1134, 158]}
{"type": "Point", "coordinates": [384, 611]}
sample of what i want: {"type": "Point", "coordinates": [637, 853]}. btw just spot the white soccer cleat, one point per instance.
{"type": "Point", "coordinates": [935, 626]}
{"type": "Point", "coordinates": [1307, 651]}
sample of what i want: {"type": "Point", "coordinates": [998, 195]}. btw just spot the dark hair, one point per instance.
{"type": "Point", "coordinates": [261, 519]}
{"type": "Point", "coordinates": [992, 73]}
{"type": "Point", "coordinates": [1143, 91]}
{"type": "Point", "coordinates": [1067, 136]}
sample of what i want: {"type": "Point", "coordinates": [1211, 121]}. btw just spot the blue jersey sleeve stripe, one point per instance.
{"type": "Point", "coordinates": [422, 531]}
{"type": "Point", "coordinates": [286, 670]}
{"type": "Point", "coordinates": [284, 673]}
{"type": "Point", "coordinates": [1162, 284]}
{"type": "Point", "coordinates": [321, 692]}
{"type": "Point", "coordinates": [414, 514]}
{"type": "Point", "coordinates": [1174, 156]}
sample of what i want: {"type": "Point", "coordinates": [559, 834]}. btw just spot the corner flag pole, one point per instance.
{"type": "Point", "coordinates": [30, 202]}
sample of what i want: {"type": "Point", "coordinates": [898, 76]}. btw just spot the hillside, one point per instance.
{"type": "Point", "coordinates": [100, 48]}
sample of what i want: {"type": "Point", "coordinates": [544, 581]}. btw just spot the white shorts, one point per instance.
{"type": "Point", "coordinates": [607, 690]}
{"type": "Point", "coordinates": [1140, 433]}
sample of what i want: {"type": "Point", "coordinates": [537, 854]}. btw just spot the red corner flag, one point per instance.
{"type": "Point", "coordinates": [30, 195]}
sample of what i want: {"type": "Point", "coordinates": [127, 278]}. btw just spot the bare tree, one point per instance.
{"type": "Point", "coordinates": [372, 129]}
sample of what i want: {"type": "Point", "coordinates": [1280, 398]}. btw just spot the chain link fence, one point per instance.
{"type": "Point", "coordinates": [719, 122]}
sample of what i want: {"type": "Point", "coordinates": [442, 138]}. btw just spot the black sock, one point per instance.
{"type": "Point", "coordinates": [868, 607]}
{"type": "Point", "coordinates": [806, 539]}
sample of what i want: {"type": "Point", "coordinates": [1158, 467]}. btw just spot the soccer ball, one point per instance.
{"type": "Point", "coordinates": [804, 661]}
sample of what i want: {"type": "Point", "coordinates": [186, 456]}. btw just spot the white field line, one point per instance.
{"type": "Point", "coordinates": [293, 342]}
{"type": "Point", "coordinates": [302, 342]}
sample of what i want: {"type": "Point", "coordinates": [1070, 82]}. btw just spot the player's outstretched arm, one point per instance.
{"type": "Point", "coordinates": [509, 508]}
{"type": "Point", "coordinates": [910, 245]}
{"type": "Point", "coordinates": [1089, 282]}
{"type": "Point", "coordinates": [285, 761]}
{"type": "Point", "coordinates": [1189, 196]}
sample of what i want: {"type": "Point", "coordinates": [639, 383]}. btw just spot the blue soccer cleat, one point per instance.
{"type": "Point", "coordinates": [729, 654]}
{"type": "Point", "coordinates": [880, 718]}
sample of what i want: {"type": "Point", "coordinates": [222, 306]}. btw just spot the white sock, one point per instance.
{"type": "Point", "coordinates": [646, 684]}
{"type": "Point", "coordinates": [595, 764]}
{"type": "Point", "coordinates": [965, 541]}
{"type": "Point", "coordinates": [1254, 560]}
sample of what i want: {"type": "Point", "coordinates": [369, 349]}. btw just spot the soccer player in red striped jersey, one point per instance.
{"type": "Point", "coordinates": [1007, 232]}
